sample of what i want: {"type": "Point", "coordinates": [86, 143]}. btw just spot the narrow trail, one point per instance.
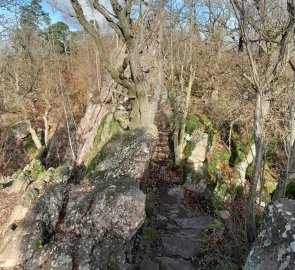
{"type": "Point", "coordinates": [179, 231]}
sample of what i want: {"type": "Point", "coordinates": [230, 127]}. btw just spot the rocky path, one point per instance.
{"type": "Point", "coordinates": [179, 232]}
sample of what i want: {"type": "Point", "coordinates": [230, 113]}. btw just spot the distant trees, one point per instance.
{"type": "Point", "coordinates": [24, 66]}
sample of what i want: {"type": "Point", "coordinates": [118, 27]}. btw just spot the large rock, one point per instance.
{"type": "Point", "coordinates": [195, 180]}
{"type": "Point", "coordinates": [275, 245]}
{"type": "Point", "coordinates": [85, 226]}
{"type": "Point", "coordinates": [199, 153]}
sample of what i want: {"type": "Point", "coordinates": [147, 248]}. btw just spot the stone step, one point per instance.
{"type": "Point", "coordinates": [161, 156]}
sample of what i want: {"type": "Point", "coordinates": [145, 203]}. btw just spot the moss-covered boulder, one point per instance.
{"type": "Point", "coordinates": [195, 153]}
{"type": "Point", "coordinates": [108, 127]}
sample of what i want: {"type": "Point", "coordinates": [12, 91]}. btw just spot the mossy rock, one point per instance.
{"type": "Point", "coordinates": [188, 149]}
{"type": "Point", "coordinates": [36, 245]}
{"type": "Point", "coordinates": [249, 172]}
{"type": "Point", "coordinates": [37, 169]}
{"type": "Point", "coordinates": [61, 174]}
{"type": "Point", "coordinates": [192, 123]}
{"type": "Point", "coordinates": [214, 161]}
{"type": "Point", "coordinates": [100, 156]}
{"type": "Point", "coordinates": [106, 130]}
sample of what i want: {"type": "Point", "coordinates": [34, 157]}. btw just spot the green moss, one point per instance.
{"type": "Point", "coordinates": [222, 190]}
{"type": "Point", "coordinates": [97, 139]}
{"type": "Point", "coordinates": [36, 245]}
{"type": "Point", "coordinates": [216, 225]}
{"type": "Point", "coordinates": [222, 266]}
{"type": "Point", "coordinates": [205, 120]}
{"type": "Point", "coordinates": [290, 190]}
{"type": "Point", "coordinates": [100, 156]}
{"type": "Point", "coordinates": [36, 170]}
{"type": "Point", "coordinates": [30, 145]}
{"type": "Point", "coordinates": [249, 172]}
{"type": "Point", "coordinates": [60, 171]}
{"type": "Point", "coordinates": [214, 161]}
{"type": "Point", "coordinates": [192, 122]}
{"type": "Point", "coordinates": [188, 149]}
{"type": "Point", "coordinates": [115, 127]}
{"type": "Point", "coordinates": [149, 235]}
{"type": "Point", "coordinates": [112, 128]}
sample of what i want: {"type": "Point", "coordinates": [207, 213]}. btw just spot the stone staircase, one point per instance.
{"type": "Point", "coordinates": [162, 150]}
{"type": "Point", "coordinates": [179, 232]}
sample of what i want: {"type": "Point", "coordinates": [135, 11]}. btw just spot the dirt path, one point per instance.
{"type": "Point", "coordinates": [178, 231]}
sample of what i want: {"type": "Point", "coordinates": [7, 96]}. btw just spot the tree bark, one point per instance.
{"type": "Point", "coordinates": [46, 126]}
{"type": "Point", "coordinates": [35, 138]}
{"type": "Point", "coordinates": [259, 149]}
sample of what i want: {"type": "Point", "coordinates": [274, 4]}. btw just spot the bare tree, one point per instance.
{"type": "Point", "coordinates": [136, 73]}
{"type": "Point", "coordinates": [267, 52]}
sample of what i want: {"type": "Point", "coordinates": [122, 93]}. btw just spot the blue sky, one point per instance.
{"type": "Point", "coordinates": [62, 12]}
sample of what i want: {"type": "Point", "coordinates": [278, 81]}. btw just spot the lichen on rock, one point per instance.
{"type": "Point", "coordinates": [274, 247]}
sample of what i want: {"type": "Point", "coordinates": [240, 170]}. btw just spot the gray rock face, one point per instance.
{"type": "Point", "coordinates": [275, 245]}
{"type": "Point", "coordinates": [85, 226]}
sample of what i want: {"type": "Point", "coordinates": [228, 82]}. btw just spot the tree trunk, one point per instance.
{"type": "Point", "coordinates": [290, 155]}
{"type": "Point", "coordinates": [243, 165]}
{"type": "Point", "coordinates": [46, 126]}
{"type": "Point", "coordinates": [35, 138]}
{"type": "Point", "coordinates": [259, 148]}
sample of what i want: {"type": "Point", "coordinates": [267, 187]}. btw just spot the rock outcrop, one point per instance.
{"type": "Point", "coordinates": [85, 225]}
{"type": "Point", "coordinates": [275, 245]}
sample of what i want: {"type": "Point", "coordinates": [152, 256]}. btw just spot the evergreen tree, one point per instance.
{"type": "Point", "coordinates": [32, 16]}
{"type": "Point", "coordinates": [59, 33]}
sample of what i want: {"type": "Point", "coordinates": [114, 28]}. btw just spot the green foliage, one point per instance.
{"type": "Point", "coordinates": [30, 145]}
{"type": "Point", "coordinates": [59, 34]}
{"type": "Point", "coordinates": [149, 235]}
{"type": "Point", "coordinates": [32, 16]}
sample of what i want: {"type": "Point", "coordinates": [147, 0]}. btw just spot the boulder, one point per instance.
{"type": "Point", "coordinates": [198, 155]}
{"type": "Point", "coordinates": [195, 180]}
{"type": "Point", "coordinates": [86, 225]}
{"type": "Point", "coordinates": [274, 247]}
